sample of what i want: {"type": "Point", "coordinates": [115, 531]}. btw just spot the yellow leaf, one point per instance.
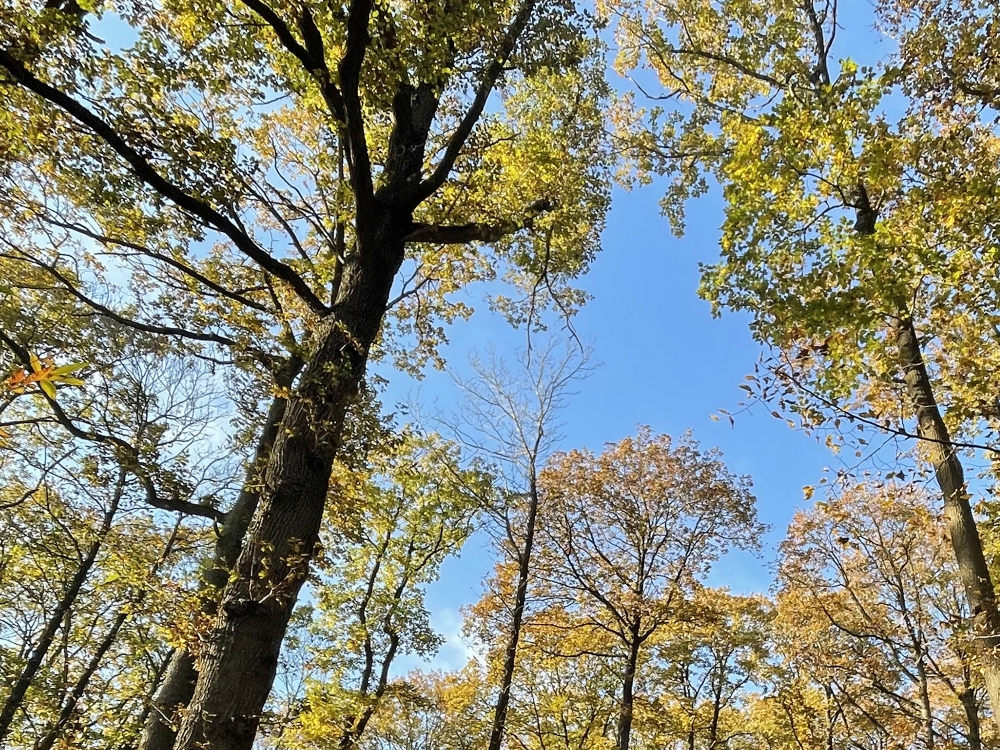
{"type": "Point", "coordinates": [66, 369]}
{"type": "Point", "coordinates": [50, 390]}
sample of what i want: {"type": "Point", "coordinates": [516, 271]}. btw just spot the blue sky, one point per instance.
{"type": "Point", "coordinates": [666, 362]}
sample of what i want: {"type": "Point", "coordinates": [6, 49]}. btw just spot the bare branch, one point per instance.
{"type": "Point", "coordinates": [126, 451]}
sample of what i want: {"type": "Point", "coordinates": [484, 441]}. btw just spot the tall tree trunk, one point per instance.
{"type": "Point", "coordinates": [926, 713]}
{"type": "Point", "coordinates": [175, 693]}
{"type": "Point", "coordinates": [971, 706]}
{"type": "Point", "coordinates": [240, 658]}
{"type": "Point", "coordinates": [961, 524]}
{"type": "Point", "coordinates": [520, 597]}
{"type": "Point", "coordinates": [831, 717]}
{"type": "Point", "coordinates": [34, 663]}
{"type": "Point", "coordinates": [713, 729]}
{"type": "Point", "coordinates": [628, 689]}
{"type": "Point", "coordinates": [83, 681]}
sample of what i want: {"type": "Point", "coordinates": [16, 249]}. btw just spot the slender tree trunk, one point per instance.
{"type": "Point", "coordinates": [520, 597]}
{"type": "Point", "coordinates": [926, 715]}
{"type": "Point", "coordinates": [356, 725]}
{"type": "Point", "coordinates": [34, 663]}
{"type": "Point", "coordinates": [154, 688]}
{"type": "Point", "coordinates": [628, 689]}
{"type": "Point", "coordinates": [240, 658]}
{"type": "Point", "coordinates": [713, 730]}
{"type": "Point", "coordinates": [175, 693]}
{"type": "Point", "coordinates": [971, 706]}
{"type": "Point", "coordinates": [353, 735]}
{"type": "Point", "coordinates": [80, 687]}
{"type": "Point", "coordinates": [83, 681]}
{"type": "Point", "coordinates": [975, 574]}
{"type": "Point", "coordinates": [831, 716]}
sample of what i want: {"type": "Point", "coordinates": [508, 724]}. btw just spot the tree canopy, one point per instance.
{"type": "Point", "coordinates": [227, 231]}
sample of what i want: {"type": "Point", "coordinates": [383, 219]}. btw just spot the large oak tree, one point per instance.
{"type": "Point", "coordinates": [253, 182]}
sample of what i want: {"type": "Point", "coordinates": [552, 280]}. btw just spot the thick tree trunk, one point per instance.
{"type": "Point", "coordinates": [961, 524]}
{"type": "Point", "coordinates": [520, 597]}
{"type": "Point", "coordinates": [34, 663]}
{"type": "Point", "coordinates": [628, 690]}
{"type": "Point", "coordinates": [175, 693]}
{"type": "Point", "coordinates": [240, 658]}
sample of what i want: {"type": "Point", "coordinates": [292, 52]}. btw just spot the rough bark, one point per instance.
{"type": "Point", "coordinates": [239, 660]}
{"type": "Point", "coordinates": [178, 684]}
{"type": "Point", "coordinates": [959, 520]}
{"type": "Point", "coordinates": [34, 663]}
{"type": "Point", "coordinates": [624, 734]}
{"type": "Point", "coordinates": [521, 595]}
{"type": "Point", "coordinates": [240, 657]}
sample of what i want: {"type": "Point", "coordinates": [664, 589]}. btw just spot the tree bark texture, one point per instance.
{"type": "Point", "coordinates": [160, 730]}
{"type": "Point", "coordinates": [959, 520]}
{"type": "Point", "coordinates": [970, 704]}
{"type": "Point", "coordinates": [240, 658]}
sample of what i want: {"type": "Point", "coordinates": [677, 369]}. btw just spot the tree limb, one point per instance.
{"type": "Point", "coordinates": [461, 134]}
{"type": "Point", "coordinates": [474, 231]}
{"type": "Point", "coordinates": [149, 252]}
{"type": "Point", "coordinates": [145, 172]}
{"type": "Point", "coordinates": [344, 102]}
{"type": "Point", "coordinates": [106, 311]}
{"type": "Point", "coordinates": [349, 69]}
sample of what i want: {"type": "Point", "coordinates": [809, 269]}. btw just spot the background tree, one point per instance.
{"type": "Point", "coordinates": [508, 419]}
{"type": "Point", "coordinates": [627, 537]}
{"type": "Point", "coordinates": [704, 671]}
{"type": "Point", "coordinates": [565, 691]}
{"type": "Point", "coordinates": [870, 604]}
{"type": "Point", "coordinates": [390, 528]}
{"type": "Point", "coordinates": [431, 710]}
{"type": "Point", "coordinates": [858, 230]}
